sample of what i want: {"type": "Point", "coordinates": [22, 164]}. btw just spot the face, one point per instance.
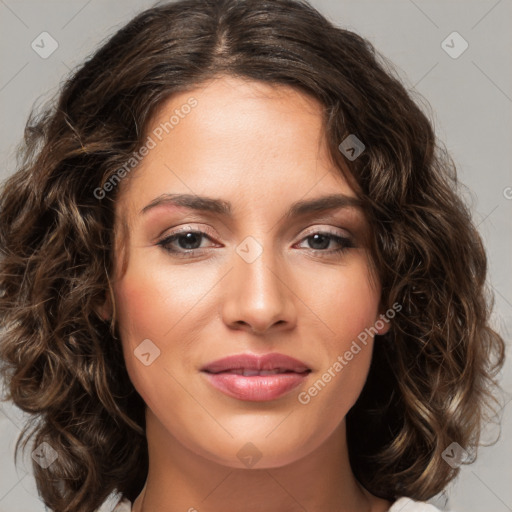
{"type": "Point", "coordinates": [243, 275]}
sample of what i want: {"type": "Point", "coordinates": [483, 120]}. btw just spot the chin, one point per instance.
{"type": "Point", "coordinates": [259, 450]}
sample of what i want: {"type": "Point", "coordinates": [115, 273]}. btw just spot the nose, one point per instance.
{"type": "Point", "coordinates": [258, 296]}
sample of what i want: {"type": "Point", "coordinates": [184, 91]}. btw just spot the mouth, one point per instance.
{"type": "Point", "coordinates": [256, 378]}
{"type": "Point", "coordinates": [246, 372]}
{"type": "Point", "coordinates": [273, 362]}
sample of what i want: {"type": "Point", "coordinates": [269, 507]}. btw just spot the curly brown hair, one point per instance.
{"type": "Point", "coordinates": [433, 375]}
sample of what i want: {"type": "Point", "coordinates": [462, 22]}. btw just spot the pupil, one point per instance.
{"type": "Point", "coordinates": [325, 239]}
{"type": "Point", "coordinates": [193, 238]}
{"type": "Point", "coordinates": [190, 237]}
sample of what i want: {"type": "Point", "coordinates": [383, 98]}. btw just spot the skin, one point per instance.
{"type": "Point", "coordinates": [261, 148]}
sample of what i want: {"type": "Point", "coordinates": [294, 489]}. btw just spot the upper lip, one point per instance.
{"type": "Point", "coordinates": [273, 361]}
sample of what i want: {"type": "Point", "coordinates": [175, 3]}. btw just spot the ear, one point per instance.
{"type": "Point", "coordinates": [104, 311]}
{"type": "Point", "coordinates": [382, 323]}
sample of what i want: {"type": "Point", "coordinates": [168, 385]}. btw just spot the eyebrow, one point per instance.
{"type": "Point", "coordinates": [224, 208]}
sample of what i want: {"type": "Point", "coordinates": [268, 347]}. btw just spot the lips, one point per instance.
{"type": "Point", "coordinates": [256, 378]}
{"type": "Point", "coordinates": [249, 373]}
{"type": "Point", "coordinates": [249, 364]}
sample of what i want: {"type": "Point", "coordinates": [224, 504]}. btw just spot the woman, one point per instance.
{"type": "Point", "coordinates": [169, 313]}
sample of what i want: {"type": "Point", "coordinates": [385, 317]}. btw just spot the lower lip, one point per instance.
{"type": "Point", "coordinates": [256, 388]}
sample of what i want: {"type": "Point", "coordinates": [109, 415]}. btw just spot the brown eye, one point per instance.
{"type": "Point", "coordinates": [320, 242]}
{"type": "Point", "coordinates": [184, 243]}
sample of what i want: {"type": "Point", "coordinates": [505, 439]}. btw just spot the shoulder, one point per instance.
{"type": "Point", "coordinates": [115, 503]}
{"type": "Point", "coordinates": [401, 505]}
{"type": "Point", "coordinates": [123, 506]}
{"type": "Point", "coordinates": [408, 505]}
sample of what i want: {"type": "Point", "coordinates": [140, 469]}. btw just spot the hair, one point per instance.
{"type": "Point", "coordinates": [432, 378]}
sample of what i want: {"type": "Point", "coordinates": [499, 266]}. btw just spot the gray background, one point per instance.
{"type": "Point", "coordinates": [470, 100]}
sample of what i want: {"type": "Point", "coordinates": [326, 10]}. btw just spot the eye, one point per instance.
{"type": "Point", "coordinates": [187, 242]}
{"type": "Point", "coordinates": [184, 243]}
{"type": "Point", "coordinates": [322, 239]}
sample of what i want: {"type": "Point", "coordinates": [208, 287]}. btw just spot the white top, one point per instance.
{"type": "Point", "coordinates": [408, 505]}
{"type": "Point", "coordinates": [401, 505]}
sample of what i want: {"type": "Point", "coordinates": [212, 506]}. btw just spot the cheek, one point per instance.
{"type": "Point", "coordinates": [156, 304]}
{"type": "Point", "coordinates": [348, 303]}
{"type": "Point", "coordinates": [137, 308]}
{"type": "Point", "coordinates": [151, 301]}
{"type": "Point", "coordinates": [349, 307]}
{"type": "Point", "coordinates": [143, 314]}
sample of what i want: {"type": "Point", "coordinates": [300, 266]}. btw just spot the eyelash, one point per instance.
{"type": "Point", "coordinates": [346, 243]}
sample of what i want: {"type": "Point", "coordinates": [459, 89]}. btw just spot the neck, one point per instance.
{"type": "Point", "coordinates": [180, 479]}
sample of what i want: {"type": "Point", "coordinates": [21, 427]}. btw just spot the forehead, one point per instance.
{"type": "Point", "coordinates": [229, 93]}
{"type": "Point", "coordinates": [231, 112]}
{"type": "Point", "coordinates": [243, 140]}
